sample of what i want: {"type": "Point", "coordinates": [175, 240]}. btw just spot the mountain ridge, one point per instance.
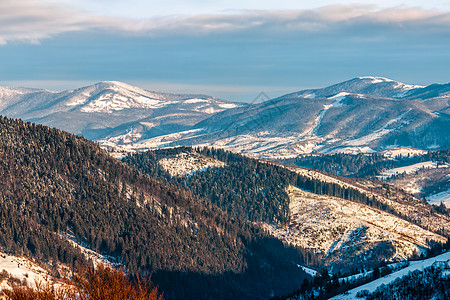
{"type": "Point", "coordinates": [345, 222]}
{"type": "Point", "coordinates": [375, 86]}
{"type": "Point", "coordinates": [363, 114]}
{"type": "Point", "coordinates": [58, 188]}
{"type": "Point", "coordinates": [102, 109]}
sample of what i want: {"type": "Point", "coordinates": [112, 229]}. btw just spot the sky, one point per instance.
{"type": "Point", "coordinates": [228, 49]}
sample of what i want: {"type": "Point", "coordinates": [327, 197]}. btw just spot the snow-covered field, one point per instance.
{"type": "Point", "coordinates": [372, 286]}
{"type": "Point", "coordinates": [329, 224]}
{"type": "Point", "coordinates": [22, 269]}
{"type": "Point", "coordinates": [411, 169]}
{"type": "Point", "coordinates": [187, 163]}
{"type": "Point", "coordinates": [442, 197]}
{"type": "Point", "coordinates": [402, 152]}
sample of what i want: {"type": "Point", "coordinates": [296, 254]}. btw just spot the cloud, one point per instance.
{"type": "Point", "coordinates": [32, 20]}
{"type": "Point", "coordinates": [329, 18]}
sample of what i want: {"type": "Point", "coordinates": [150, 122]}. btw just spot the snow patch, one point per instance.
{"type": "Point", "coordinates": [148, 124]}
{"type": "Point", "coordinates": [227, 105]}
{"type": "Point", "coordinates": [308, 271]}
{"type": "Point", "coordinates": [195, 100]}
{"type": "Point", "coordinates": [372, 286]}
{"type": "Point", "coordinates": [376, 79]}
{"type": "Point", "coordinates": [310, 95]}
{"type": "Point", "coordinates": [339, 96]}
{"type": "Point", "coordinates": [442, 197]}
{"type": "Point", "coordinates": [353, 150]}
{"type": "Point", "coordinates": [411, 169]}
{"type": "Point", "coordinates": [132, 136]}
{"type": "Point", "coordinates": [23, 269]}
{"type": "Point", "coordinates": [185, 164]}
{"type": "Point", "coordinates": [403, 152]}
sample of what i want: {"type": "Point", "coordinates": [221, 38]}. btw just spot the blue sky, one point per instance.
{"type": "Point", "coordinates": [229, 49]}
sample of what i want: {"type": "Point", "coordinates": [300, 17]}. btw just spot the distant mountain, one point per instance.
{"type": "Point", "coordinates": [368, 85]}
{"type": "Point", "coordinates": [364, 114]}
{"type": "Point", "coordinates": [110, 108]}
{"type": "Point", "coordinates": [361, 115]}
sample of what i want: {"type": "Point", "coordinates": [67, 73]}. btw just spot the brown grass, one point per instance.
{"type": "Point", "coordinates": [101, 283]}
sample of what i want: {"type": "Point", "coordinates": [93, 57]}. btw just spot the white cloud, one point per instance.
{"type": "Point", "coordinates": [146, 8]}
{"type": "Point", "coordinates": [32, 20]}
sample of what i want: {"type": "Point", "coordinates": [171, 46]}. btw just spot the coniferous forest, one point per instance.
{"type": "Point", "coordinates": [196, 234]}
{"type": "Point", "coordinates": [245, 187]}
{"type": "Point", "coordinates": [363, 165]}
{"type": "Point", "coordinates": [55, 184]}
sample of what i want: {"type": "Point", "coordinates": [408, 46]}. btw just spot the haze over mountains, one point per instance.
{"type": "Point", "coordinates": [364, 114]}
{"type": "Point", "coordinates": [109, 108]}
{"type": "Point", "coordinates": [360, 115]}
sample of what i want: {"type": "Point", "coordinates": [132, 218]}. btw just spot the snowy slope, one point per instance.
{"type": "Point", "coordinates": [110, 109]}
{"type": "Point", "coordinates": [413, 168]}
{"type": "Point", "coordinates": [400, 202]}
{"type": "Point", "coordinates": [361, 115]}
{"type": "Point", "coordinates": [442, 197]}
{"type": "Point", "coordinates": [371, 85]}
{"type": "Point", "coordinates": [347, 233]}
{"type": "Point", "coordinates": [22, 269]}
{"type": "Point", "coordinates": [428, 179]}
{"type": "Point", "coordinates": [372, 286]}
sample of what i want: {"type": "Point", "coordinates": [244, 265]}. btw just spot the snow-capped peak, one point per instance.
{"type": "Point", "coordinates": [119, 86]}
{"type": "Point", "coordinates": [363, 85]}
{"type": "Point", "coordinates": [402, 88]}
{"type": "Point", "coordinates": [108, 96]}
{"type": "Point", "coordinates": [376, 79]}
{"type": "Point", "coordinates": [340, 96]}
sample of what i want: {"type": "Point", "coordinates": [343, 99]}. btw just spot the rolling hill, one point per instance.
{"type": "Point", "coordinates": [342, 223]}
{"type": "Point", "coordinates": [58, 190]}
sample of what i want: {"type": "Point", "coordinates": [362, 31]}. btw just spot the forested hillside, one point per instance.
{"type": "Point", "coordinates": [364, 165]}
{"type": "Point", "coordinates": [245, 187]}
{"type": "Point", "coordinates": [54, 184]}
{"type": "Point", "coordinates": [368, 231]}
{"type": "Point", "coordinates": [419, 172]}
{"type": "Point", "coordinates": [430, 283]}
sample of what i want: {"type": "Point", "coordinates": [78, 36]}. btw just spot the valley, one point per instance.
{"type": "Point", "coordinates": [235, 199]}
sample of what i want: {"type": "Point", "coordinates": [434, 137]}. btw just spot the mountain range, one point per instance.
{"type": "Point", "coordinates": [361, 115]}
{"type": "Point", "coordinates": [211, 223]}
{"type": "Point", "coordinates": [109, 109]}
